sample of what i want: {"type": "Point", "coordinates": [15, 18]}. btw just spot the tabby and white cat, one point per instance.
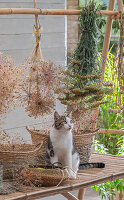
{"type": "Point", "coordinates": [61, 148]}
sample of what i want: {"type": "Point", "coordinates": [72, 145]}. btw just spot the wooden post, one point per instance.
{"type": "Point", "coordinates": [121, 195]}
{"type": "Point", "coordinates": [112, 198]}
{"type": "Point", "coordinates": [107, 37]}
{"type": "Point", "coordinates": [81, 194]}
{"type": "Point", "coordinates": [120, 9]}
{"type": "Point", "coordinates": [120, 5]}
{"type": "Point", "coordinates": [72, 28]}
{"type": "Point", "coordinates": [104, 53]}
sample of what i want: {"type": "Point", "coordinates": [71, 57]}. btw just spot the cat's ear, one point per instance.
{"type": "Point", "coordinates": [56, 115]}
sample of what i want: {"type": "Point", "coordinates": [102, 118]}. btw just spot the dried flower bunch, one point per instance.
{"type": "Point", "coordinates": [8, 139]}
{"type": "Point", "coordinates": [39, 104]}
{"type": "Point", "coordinates": [4, 137]}
{"type": "Point", "coordinates": [39, 86]}
{"type": "Point", "coordinates": [82, 76]}
{"type": "Point", "coordinates": [49, 74]}
{"type": "Point", "coordinates": [8, 83]}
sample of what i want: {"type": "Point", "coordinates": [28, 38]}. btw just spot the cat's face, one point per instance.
{"type": "Point", "coordinates": [62, 122]}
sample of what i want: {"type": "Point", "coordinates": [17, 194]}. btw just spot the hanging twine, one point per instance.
{"type": "Point", "coordinates": [36, 34]}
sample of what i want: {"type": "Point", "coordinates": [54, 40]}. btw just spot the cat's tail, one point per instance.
{"type": "Point", "coordinates": [91, 165]}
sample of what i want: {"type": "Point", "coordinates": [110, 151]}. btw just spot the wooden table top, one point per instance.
{"type": "Point", "coordinates": [114, 170]}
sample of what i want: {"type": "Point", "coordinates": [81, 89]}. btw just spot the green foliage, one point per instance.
{"type": "Point", "coordinates": [83, 72]}
{"type": "Point", "coordinates": [99, 148]}
{"type": "Point", "coordinates": [86, 51]}
{"type": "Point", "coordinates": [110, 120]}
{"type": "Point", "coordinates": [101, 22]}
{"type": "Point", "coordinates": [106, 143]}
{"type": "Point", "coordinates": [106, 190]}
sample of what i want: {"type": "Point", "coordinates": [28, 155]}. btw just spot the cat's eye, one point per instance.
{"type": "Point", "coordinates": [71, 121]}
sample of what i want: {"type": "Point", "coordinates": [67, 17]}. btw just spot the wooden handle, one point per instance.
{"type": "Point", "coordinates": [112, 131]}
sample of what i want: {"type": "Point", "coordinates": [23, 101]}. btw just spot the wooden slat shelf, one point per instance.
{"type": "Point", "coordinates": [114, 170]}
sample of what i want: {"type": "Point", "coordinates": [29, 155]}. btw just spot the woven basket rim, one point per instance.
{"type": "Point", "coordinates": [37, 131]}
{"type": "Point", "coordinates": [23, 152]}
{"type": "Point", "coordinates": [94, 132]}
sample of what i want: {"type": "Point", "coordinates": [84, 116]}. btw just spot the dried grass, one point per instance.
{"type": "Point", "coordinates": [8, 83]}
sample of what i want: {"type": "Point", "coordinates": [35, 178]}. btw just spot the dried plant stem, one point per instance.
{"type": "Point", "coordinates": [27, 60]}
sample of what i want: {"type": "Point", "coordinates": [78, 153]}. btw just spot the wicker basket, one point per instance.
{"type": "Point", "coordinates": [83, 143]}
{"type": "Point", "coordinates": [14, 157]}
{"type": "Point", "coordinates": [38, 135]}
{"type": "Point", "coordinates": [42, 177]}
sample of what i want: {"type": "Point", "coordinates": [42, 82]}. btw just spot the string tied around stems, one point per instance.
{"type": "Point", "coordinates": [36, 33]}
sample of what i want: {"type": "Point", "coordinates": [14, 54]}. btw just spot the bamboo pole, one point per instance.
{"type": "Point", "coordinates": [104, 52]}
{"type": "Point", "coordinates": [120, 5]}
{"type": "Point", "coordinates": [37, 11]}
{"type": "Point", "coordinates": [121, 64]}
{"type": "Point", "coordinates": [111, 131]}
{"type": "Point", "coordinates": [112, 198]}
{"type": "Point", "coordinates": [121, 195]}
{"type": "Point", "coordinates": [107, 37]}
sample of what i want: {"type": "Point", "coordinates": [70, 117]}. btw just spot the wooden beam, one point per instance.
{"type": "Point", "coordinates": [36, 11]}
{"type": "Point", "coordinates": [111, 131]}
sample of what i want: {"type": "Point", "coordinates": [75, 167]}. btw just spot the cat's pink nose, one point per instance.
{"type": "Point", "coordinates": [69, 126]}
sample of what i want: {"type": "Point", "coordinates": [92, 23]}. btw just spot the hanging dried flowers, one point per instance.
{"type": "Point", "coordinates": [39, 105]}
{"type": "Point", "coordinates": [49, 74]}
{"type": "Point", "coordinates": [8, 83]}
{"type": "Point", "coordinates": [39, 84]}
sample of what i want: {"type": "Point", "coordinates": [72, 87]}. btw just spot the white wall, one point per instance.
{"type": "Point", "coordinates": [16, 40]}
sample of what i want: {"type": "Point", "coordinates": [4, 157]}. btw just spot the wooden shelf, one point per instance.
{"type": "Point", "coordinates": [114, 170]}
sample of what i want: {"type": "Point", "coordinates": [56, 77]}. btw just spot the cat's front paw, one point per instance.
{"type": "Point", "coordinates": [71, 174]}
